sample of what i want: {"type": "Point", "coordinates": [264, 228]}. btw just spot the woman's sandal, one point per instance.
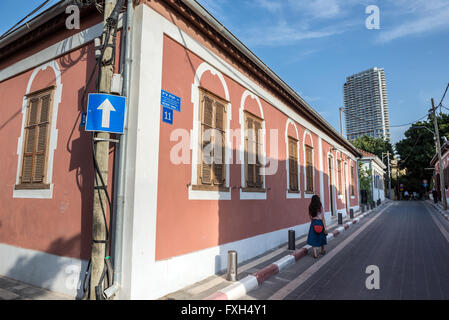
{"type": "Point", "coordinates": [323, 252]}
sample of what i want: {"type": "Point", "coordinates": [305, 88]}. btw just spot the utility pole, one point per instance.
{"type": "Point", "coordinates": [437, 137]}
{"type": "Point", "coordinates": [102, 156]}
{"type": "Point", "coordinates": [389, 177]}
{"type": "Point", "coordinates": [341, 121]}
{"type": "Point", "coordinates": [398, 196]}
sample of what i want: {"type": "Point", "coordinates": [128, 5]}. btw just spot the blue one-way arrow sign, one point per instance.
{"type": "Point", "coordinates": [105, 113]}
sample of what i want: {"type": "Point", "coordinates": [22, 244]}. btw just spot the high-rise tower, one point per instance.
{"type": "Point", "coordinates": [366, 105]}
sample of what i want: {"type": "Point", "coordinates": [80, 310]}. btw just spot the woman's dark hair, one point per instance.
{"type": "Point", "coordinates": [315, 206]}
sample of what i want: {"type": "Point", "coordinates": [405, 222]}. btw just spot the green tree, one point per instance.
{"type": "Point", "coordinates": [375, 146]}
{"type": "Point", "coordinates": [365, 181]}
{"type": "Point", "coordinates": [417, 149]}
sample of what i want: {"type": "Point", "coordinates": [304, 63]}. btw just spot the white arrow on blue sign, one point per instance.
{"type": "Point", "coordinates": [105, 113]}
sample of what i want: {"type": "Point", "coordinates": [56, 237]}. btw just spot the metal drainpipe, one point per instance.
{"type": "Point", "coordinates": [120, 167]}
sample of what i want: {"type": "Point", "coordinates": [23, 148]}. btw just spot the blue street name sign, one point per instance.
{"type": "Point", "coordinates": [105, 113]}
{"type": "Point", "coordinates": [167, 115]}
{"type": "Point", "coordinates": [170, 101]}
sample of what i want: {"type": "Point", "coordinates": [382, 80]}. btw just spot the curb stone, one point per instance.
{"type": "Point", "coordinates": [438, 207]}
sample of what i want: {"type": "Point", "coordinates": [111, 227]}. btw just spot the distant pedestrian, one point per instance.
{"type": "Point", "coordinates": [406, 195]}
{"type": "Point", "coordinates": [318, 232]}
{"type": "Point", "coordinates": [434, 195]}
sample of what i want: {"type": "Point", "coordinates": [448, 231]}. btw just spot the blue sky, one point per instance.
{"type": "Point", "coordinates": [314, 44]}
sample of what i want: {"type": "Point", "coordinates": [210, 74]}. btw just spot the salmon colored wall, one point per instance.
{"type": "Point", "coordinates": [61, 225]}
{"type": "Point", "coordinates": [186, 225]}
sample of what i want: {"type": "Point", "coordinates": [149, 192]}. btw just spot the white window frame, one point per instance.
{"type": "Point", "coordinates": [195, 137]}
{"type": "Point", "coordinates": [40, 193]}
{"type": "Point", "coordinates": [308, 195]}
{"type": "Point", "coordinates": [292, 195]}
{"type": "Point", "coordinates": [251, 195]}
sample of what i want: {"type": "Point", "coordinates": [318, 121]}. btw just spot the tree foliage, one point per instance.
{"type": "Point", "coordinates": [365, 181]}
{"type": "Point", "coordinates": [417, 149]}
{"type": "Point", "coordinates": [375, 146]}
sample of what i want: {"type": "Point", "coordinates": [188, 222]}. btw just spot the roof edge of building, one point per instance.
{"type": "Point", "coordinates": [60, 7]}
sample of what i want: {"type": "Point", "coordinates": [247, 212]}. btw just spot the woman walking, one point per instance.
{"type": "Point", "coordinates": [317, 232]}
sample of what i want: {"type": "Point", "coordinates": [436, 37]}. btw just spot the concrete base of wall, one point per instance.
{"type": "Point", "coordinates": [55, 273]}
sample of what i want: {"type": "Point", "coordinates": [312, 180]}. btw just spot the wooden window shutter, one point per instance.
{"type": "Point", "coordinates": [208, 111]}
{"type": "Point", "coordinates": [42, 139]}
{"type": "Point", "coordinates": [213, 123]}
{"type": "Point", "coordinates": [259, 151]}
{"type": "Point", "coordinates": [293, 164]}
{"type": "Point", "coordinates": [309, 169]}
{"type": "Point", "coordinates": [30, 142]}
{"type": "Point", "coordinates": [206, 124]}
{"type": "Point", "coordinates": [339, 175]}
{"type": "Point", "coordinates": [219, 140]}
{"type": "Point", "coordinates": [36, 138]}
{"type": "Point", "coordinates": [250, 156]}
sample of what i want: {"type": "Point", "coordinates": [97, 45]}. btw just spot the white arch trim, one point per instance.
{"type": "Point", "coordinates": [195, 134]}
{"type": "Point", "coordinates": [40, 193]}
{"type": "Point", "coordinates": [306, 131]}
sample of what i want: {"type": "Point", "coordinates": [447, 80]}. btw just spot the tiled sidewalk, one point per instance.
{"type": "Point", "coordinates": [11, 289]}
{"type": "Point", "coordinates": [210, 285]}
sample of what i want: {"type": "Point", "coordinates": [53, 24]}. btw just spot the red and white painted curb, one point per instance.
{"type": "Point", "coordinates": [251, 282]}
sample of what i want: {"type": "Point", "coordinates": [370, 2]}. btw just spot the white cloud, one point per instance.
{"type": "Point", "coordinates": [318, 8]}
{"type": "Point", "coordinates": [286, 34]}
{"type": "Point", "coordinates": [416, 17]}
{"type": "Point", "coordinates": [269, 5]}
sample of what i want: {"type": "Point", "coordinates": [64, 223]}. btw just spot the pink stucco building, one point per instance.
{"type": "Point", "coordinates": [181, 214]}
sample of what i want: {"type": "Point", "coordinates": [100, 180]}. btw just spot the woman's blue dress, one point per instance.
{"type": "Point", "coordinates": [316, 239]}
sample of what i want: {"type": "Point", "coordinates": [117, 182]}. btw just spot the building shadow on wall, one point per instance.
{"type": "Point", "coordinates": [240, 220]}
{"type": "Point", "coordinates": [44, 270]}
{"type": "Point", "coordinates": [244, 219]}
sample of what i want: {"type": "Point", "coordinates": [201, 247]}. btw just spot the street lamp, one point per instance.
{"type": "Point", "coordinates": [426, 129]}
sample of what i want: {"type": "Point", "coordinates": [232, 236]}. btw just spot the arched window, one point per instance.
{"type": "Point", "coordinates": [292, 159]}
{"type": "Point", "coordinates": [211, 120]}
{"type": "Point", "coordinates": [252, 147]}
{"type": "Point", "coordinates": [309, 172]}
{"type": "Point", "coordinates": [38, 138]}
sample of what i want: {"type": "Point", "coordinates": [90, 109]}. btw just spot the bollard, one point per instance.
{"type": "Point", "coordinates": [291, 240]}
{"type": "Point", "coordinates": [340, 218]}
{"type": "Point", "coordinates": [351, 213]}
{"type": "Point", "coordinates": [232, 266]}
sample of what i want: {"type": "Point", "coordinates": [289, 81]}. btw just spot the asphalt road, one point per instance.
{"type": "Point", "coordinates": [408, 242]}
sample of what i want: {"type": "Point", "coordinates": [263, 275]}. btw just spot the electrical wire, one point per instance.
{"type": "Point", "coordinates": [391, 126]}
{"type": "Point", "coordinates": [13, 28]}
{"type": "Point", "coordinates": [407, 124]}
{"type": "Point", "coordinates": [444, 95]}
